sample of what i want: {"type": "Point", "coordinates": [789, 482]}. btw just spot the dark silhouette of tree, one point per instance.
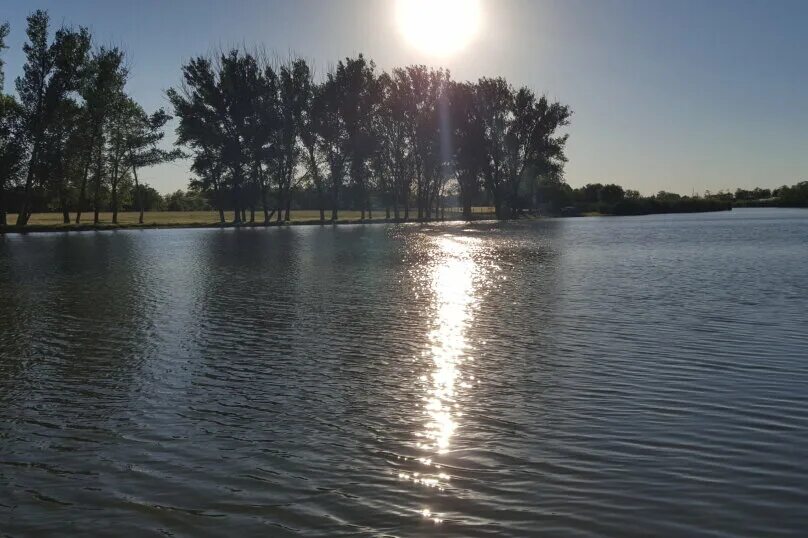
{"type": "Point", "coordinates": [358, 110]}
{"type": "Point", "coordinates": [12, 136]}
{"type": "Point", "coordinates": [51, 73]}
{"type": "Point", "coordinates": [102, 92]}
{"type": "Point", "coordinates": [264, 134]}
{"type": "Point", "coordinates": [142, 134]}
{"type": "Point", "coordinates": [332, 132]}
{"type": "Point", "coordinates": [211, 123]}
{"type": "Point", "coordinates": [312, 114]}
{"type": "Point", "coordinates": [468, 143]}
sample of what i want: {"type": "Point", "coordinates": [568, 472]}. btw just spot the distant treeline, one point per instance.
{"type": "Point", "coordinates": [611, 199]}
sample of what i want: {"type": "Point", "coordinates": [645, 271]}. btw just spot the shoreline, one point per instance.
{"type": "Point", "coordinates": [89, 227]}
{"type": "Point", "coordinates": [55, 228]}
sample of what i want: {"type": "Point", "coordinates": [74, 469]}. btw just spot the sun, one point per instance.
{"type": "Point", "coordinates": [439, 27]}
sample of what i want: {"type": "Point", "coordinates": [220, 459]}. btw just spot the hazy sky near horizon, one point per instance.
{"type": "Point", "coordinates": [677, 95]}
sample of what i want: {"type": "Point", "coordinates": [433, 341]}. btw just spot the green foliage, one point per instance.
{"type": "Point", "coordinates": [185, 201]}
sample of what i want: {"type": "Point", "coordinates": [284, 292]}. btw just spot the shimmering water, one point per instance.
{"type": "Point", "coordinates": [642, 376]}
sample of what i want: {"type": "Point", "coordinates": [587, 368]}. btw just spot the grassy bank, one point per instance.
{"type": "Point", "coordinates": [49, 222]}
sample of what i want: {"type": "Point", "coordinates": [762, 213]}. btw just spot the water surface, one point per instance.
{"type": "Point", "coordinates": [582, 377]}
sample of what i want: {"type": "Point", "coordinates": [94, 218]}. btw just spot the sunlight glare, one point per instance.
{"type": "Point", "coordinates": [439, 27]}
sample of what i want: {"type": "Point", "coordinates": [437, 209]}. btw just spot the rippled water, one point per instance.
{"type": "Point", "coordinates": [643, 376]}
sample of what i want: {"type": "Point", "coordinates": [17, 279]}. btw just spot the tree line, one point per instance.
{"type": "Point", "coordinates": [264, 134]}
{"type": "Point", "coordinates": [71, 139]}
{"type": "Point", "coordinates": [260, 130]}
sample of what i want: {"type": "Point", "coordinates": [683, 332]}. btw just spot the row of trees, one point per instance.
{"type": "Point", "coordinates": [786, 196]}
{"type": "Point", "coordinates": [72, 138]}
{"type": "Point", "coordinates": [259, 130]}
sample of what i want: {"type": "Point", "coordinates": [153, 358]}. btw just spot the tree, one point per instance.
{"type": "Point", "coordinates": [216, 108]}
{"type": "Point", "coordinates": [31, 89]}
{"type": "Point", "coordinates": [312, 114]}
{"type": "Point", "coordinates": [12, 143]}
{"type": "Point", "coordinates": [12, 149]}
{"type": "Point", "coordinates": [142, 135]}
{"type": "Point", "coordinates": [468, 142]}
{"type": "Point", "coordinates": [393, 133]}
{"type": "Point", "coordinates": [52, 72]}
{"type": "Point", "coordinates": [494, 103]}
{"type": "Point", "coordinates": [102, 91]}
{"type": "Point", "coordinates": [359, 108]}
{"type": "Point", "coordinates": [332, 132]}
{"type": "Point", "coordinates": [422, 90]}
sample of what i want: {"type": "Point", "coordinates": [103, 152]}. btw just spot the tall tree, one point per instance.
{"type": "Point", "coordinates": [12, 149]}
{"type": "Point", "coordinates": [358, 109]}
{"type": "Point", "coordinates": [394, 135]}
{"type": "Point", "coordinates": [313, 113]}
{"type": "Point", "coordinates": [332, 131]}
{"type": "Point", "coordinates": [467, 143]}
{"type": "Point", "coordinates": [532, 147]}
{"type": "Point", "coordinates": [295, 79]}
{"type": "Point", "coordinates": [102, 89]}
{"type": "Point", "coordinates": [494, 99]}
{"type": "Point", "coordinates": [31, 88]}
{"type": "Point", "coordinates": [62, 111]}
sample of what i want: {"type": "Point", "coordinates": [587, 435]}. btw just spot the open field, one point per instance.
{"type": "Point", "coordinates": [151, 219]}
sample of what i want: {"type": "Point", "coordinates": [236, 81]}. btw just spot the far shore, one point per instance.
{"type": "Point", "coordinates": [52, 222]}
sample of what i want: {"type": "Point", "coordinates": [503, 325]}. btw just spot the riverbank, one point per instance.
{"type": "Point", "coordinates": [52, 222]}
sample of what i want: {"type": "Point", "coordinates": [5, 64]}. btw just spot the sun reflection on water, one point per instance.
{"type": "Point", "coordinates": [445, 383]}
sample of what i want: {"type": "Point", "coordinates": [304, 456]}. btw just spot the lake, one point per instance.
{"type": "Point", "coordinates": [639, 376]}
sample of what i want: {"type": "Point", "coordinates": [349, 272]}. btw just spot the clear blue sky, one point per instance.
{"type": "Point", "coordinates": [679, 95]}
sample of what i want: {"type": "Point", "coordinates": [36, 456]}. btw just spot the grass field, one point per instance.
{"type": "Point", "coordinates": [53, 221]}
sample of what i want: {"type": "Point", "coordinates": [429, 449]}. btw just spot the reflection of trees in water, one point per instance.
{"type": "Point", "coordinates": [516, 321]}
{"type": "Point", "coordinates": [87, 303]}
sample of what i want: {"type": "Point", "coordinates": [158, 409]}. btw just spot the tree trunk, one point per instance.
{"type": "Point", "coordinates": [63, 202]}
{"type": "Point", "coordinates": [3, 214]}
{"type": "Point", "coordinates": [395, 202]}
{"type": "Point", "coordinates": [334, 198]}
{"type": "Point", "coordinates": [83, 188]}
{"type": "Point", "coordinates": [115, 192]}
{"type": "Point", "coordinates": [97, 194]}
{"type": "Point", "coordinates": [25, 210]}
{"type": "Point", "coordinates": [321, 201]}
{"type": "Point", "coordinates": [82, 193]}
{"type": "Point", "coordinates": [139, 194]}
{"type": "Point", "coordinates": [280, 202]}
{"type": "Point", "coordinates": [236, 208]}
{"type": "Point", "coordinates": [264, 204]}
